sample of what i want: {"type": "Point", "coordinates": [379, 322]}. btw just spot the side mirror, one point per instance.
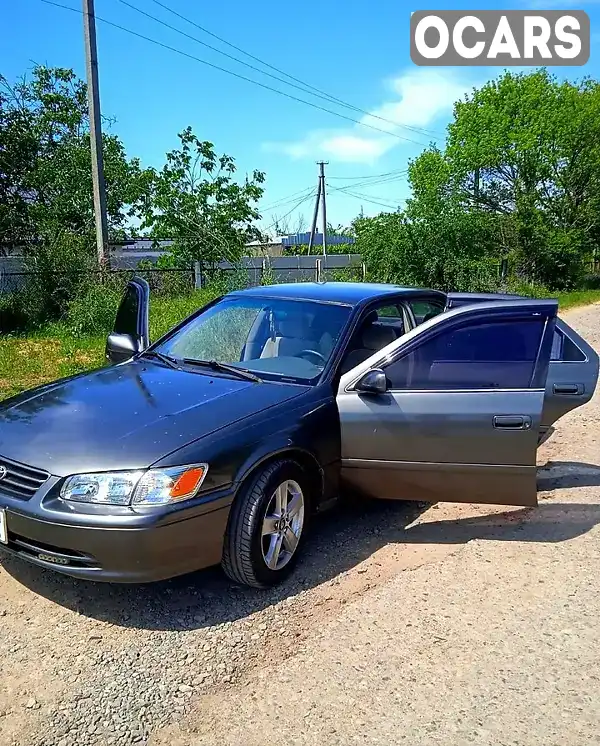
{"type": "Point", "coordinates": [373, 382]}
{"type": "Point", "coordinates": [120, 347]}
{"type": "Point", "coordinates": [130, 332]}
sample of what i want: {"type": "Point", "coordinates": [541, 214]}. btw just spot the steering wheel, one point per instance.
{"type": "Point", "coordinates": [320, 358]}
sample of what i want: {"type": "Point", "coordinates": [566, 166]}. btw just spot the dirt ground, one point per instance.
{"type": "Point", "coordinates": [451, 625]}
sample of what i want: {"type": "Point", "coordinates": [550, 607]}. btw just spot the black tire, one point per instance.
{"type": "Point", "coordinates": [243, 559]}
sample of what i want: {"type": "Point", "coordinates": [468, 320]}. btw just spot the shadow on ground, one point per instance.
{"type": "Point", "coordinates": [560, 474]}
{"type": "Point", "coordinates": [340, 540]}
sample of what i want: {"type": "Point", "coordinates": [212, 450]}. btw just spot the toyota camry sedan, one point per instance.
{"type": "Point", "coordinates": [219, 442]}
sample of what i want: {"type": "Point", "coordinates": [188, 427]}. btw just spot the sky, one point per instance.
{"type": "Point", "coordinates": [355, 51]}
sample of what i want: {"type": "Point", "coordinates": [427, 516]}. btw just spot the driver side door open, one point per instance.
{"type": "Point", "coordinates": [460, 417]}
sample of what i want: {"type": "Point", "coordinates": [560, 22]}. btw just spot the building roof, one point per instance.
{"type": "Point", "coordinates": [348, 293]}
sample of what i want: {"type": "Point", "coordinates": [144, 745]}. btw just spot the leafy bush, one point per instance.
{"type": "Point", "coordinates": [93, 310]}
{"type": "Point", "coordinates": [529, 289]}
{"type": "Point", "coordinates": [12, 315]}
{"type": "Point", "coordinates": [591, 282]}
{"type": "Point", "coordinates": [60, 269]}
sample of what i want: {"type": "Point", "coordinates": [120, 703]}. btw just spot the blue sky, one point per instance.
{"type": "Point", "coordinates": [356, 51]}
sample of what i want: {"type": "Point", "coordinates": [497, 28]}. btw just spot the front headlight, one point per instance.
{"type": "Point", "coordinates": [133, 488]}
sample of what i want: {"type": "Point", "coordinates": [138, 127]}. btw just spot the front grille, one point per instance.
{"type": "Point", "coordinates": [20, 480]}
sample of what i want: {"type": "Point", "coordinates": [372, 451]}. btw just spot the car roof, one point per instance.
{"type": "Point", "coordinates": [347, 293]}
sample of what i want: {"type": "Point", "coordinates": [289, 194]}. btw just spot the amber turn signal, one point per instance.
{"type": "Point", "coordinates": [187, 483]}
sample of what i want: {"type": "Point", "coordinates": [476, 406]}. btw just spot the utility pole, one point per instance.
{"type": "Point", "coordinates": [322, 165]}
{"type": "Point", "coordinates": [313, 228]}
{"type": "Point", "coordinates": [91, 65]}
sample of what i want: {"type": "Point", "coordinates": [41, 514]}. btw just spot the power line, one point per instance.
{"type": "Point", "coordinates": [376, 197]}
{"type": "Point", "coordinates": [373, 176]}
{"type": "Point", "coordinates": [371, 201]}
{"type": "Point", "coordinates": [286, 200]}
{"type": "Point", "coordinates": [305, 86]}
{"type": "Point", "coordinates": [365, 184]}
{"type": "Point", "coordinates": [365, 198]}
{"type": "Point", "coordinates": [295, 207]}
{"type": "Point", "coordinates": [234, 74]}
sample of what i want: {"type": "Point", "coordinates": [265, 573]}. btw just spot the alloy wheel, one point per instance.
{"type": "Point", "coordinates": [282, 524]}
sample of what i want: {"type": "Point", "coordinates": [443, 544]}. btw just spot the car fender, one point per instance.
{"type": "Point", "coordinates": [278, 449]}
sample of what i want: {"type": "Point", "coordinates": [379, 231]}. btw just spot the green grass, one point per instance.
{"type": "Point", "coordinates": [54, 352]}
{"type": "Point", "coordinates": [576, 298]}
{"type": "Point", "coordinates": [30, 360]}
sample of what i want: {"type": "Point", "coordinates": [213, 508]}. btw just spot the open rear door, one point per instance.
{"type": "Point", "coordinates": [572, 375]}
{"type": "Point", "coordinates": [456, 300]}
{"type": "Point", "coordinates": [573, 369]}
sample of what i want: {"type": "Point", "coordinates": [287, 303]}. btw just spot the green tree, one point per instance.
{"type": "Point", "coordinates": [528, 146]}
{"type": "Point", "coordinates": [519, 178]}
{"type": "Point", "coordinates": [195, 201]}
{"type": "Point", "coordinates": [45, 163]}
{"type": "Point", "coordinates": [46, 203]}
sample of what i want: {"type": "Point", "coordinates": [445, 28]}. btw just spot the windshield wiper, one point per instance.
{"type": "Point", "coordinates": [166, 359]}
{"type": "Point", "coordinates": [215, 365]}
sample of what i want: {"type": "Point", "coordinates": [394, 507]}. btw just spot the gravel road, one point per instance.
{"type": "Point", "coordinates": [451, 624]}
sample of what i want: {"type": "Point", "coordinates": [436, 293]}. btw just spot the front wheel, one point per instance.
{"type": "Point", "coordinates": [267, 526]}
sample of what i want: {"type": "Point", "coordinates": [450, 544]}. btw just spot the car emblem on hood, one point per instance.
{"type": "Point", "coordinates": [3, 472]}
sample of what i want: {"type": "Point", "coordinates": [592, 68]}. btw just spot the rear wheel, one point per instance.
{"type": "Point", "coordinates": [267, 526]}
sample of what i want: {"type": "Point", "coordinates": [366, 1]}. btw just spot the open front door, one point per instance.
{"type": "Point", "coordinates": [456, 415]}
{"type": "Point", "coordinates": [130, 333]}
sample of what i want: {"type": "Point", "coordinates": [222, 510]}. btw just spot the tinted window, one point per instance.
{"type": "Point", "coordinates": [490, 355]}
{"type": "Point", "coordinates": [424, 310]}
{"type": "Point", "coordinates": [390, 317]}
{"type": "Point", "coordinates": [390, 312]}
{"type": "Point", "coordinates": [127, 315]}
{"type": "Point", "coordinates": [565, 350]}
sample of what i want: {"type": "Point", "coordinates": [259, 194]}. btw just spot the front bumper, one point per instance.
{"type": "Point", "coordinates": [119, 554]}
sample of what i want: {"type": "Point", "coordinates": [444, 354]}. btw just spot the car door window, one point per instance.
{"type": "Point", "coordinates": [423, 310]}
{"type": "Point", "coordinates": [564, 350]}
{"type": "Point", "coordinates": [380, 327]}
{"type": "Point", "coordinates": [475, 355]}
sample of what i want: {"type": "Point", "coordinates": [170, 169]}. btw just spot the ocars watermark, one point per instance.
{"type": "Point", "coordinates": [495, 37]}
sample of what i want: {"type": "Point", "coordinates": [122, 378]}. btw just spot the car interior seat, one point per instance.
{"type": "Point", "coordinates": [322, 338]}
{"type": "Point", "coordinates": [292, 336]}
{"type": "Point", "coordinates": [371, 338]}
{"type": "Point", "coordinates": [430, 315]}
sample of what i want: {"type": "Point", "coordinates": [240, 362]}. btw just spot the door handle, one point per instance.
{"type": "Point", "coordinates": [568, 389]}
{"type": "Point", "coordinates": [512, 422]}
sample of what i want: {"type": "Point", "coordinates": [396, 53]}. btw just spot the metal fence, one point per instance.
{"type": "Point", "coordinates": [273, 270]}
{"type": "Point", "coordinates": [248, 272]}
{"type": "Point", "coordinates": [251, 271]}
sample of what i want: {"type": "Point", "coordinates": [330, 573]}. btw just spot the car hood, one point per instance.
{"type": "Point", "coordinates": [126, 416]}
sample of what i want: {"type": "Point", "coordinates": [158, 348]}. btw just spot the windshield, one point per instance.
{"type": "Point", "coordinates": [271, 337]}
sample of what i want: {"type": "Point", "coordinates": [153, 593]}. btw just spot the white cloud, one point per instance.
{"type": "Point", "coordinates": [343, 146]}
{"type": "Point", "coordinates": [420, 98]}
